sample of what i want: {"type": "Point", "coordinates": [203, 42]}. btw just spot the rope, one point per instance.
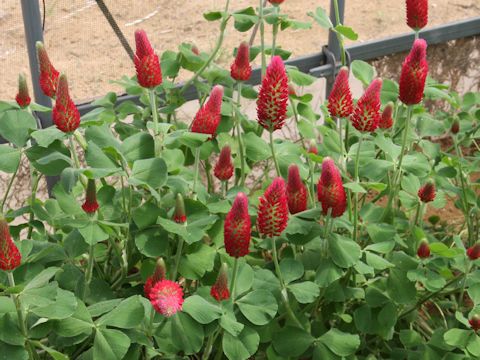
{"type": "Point", "coordinates": [108, 15]}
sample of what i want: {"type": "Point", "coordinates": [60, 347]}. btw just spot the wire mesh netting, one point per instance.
{"type": "Point", "coordinates": [82, 44]}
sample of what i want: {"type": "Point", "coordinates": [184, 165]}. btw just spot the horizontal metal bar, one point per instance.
{"type": "Point", "coordinates": [377, 48]}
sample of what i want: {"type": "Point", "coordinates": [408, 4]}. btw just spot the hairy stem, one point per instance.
{"type": "Point", "coordinates": [234, 280]}
{"type": "Point", "coordinates": [9, 187]}
{"type": "Point", "coordinates": [357, 180]}
{"type": "Point", "coordinates": [277, 168]}
{"type": "Point", "coordinates": [239, 135]}
{"type": "Point", "coordinates": [197, 168]}
{"type": "Point", "coordinates": [262, 38]}
{"type": "Point", "coordinates": [178, 256]}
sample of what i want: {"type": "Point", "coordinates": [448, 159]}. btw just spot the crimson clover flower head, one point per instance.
{"type": "Point", "coordinates": [417, 14]}
{"type": "Point", "coordinates": [423, 250]}
{"type": "Point", "coordinates": [331, 192]}
{"type": "Point", "coordinates": [219, 290]}
{"type": "Point", "coordinates": [455, 128]}
{"type": "Point", "coordinates": [166, 297]}
{"type": "Point", "coordinates": [65, 113]}
{"type": "Point", "coordinates": [241, 68]}
{"type": "Point", "coordinates": [224, 167]}
{"type": "Point", "coordinates": [474, 322]}
{"type": "Point", "coordinates": [340, 103]}
{"type": "Point", "coordinates": [366, 115]}
{"type": "Point", "coordinates": [473, 252]}
{"type": "Point", "coordinates": [208, 117]}
{"type": "Point", "coordinates": [147, 64]}
{"type": "Point", "coordinates": [237, 228]}
{"type": "Point", "coordinates": [48, 74]}
{"type": "Point", "coordinates": [10, 257]}
{"type": "Point", "coordinates": [273, 96]}
{"type": "Point", "coordinates": [386, 120]}
{"type": "Point", "coordinates": [427, 192]}
{"type": "Point", "coordinates": [272, 217]}
{"type": "Point", "coordinates": [158, 275]}
{"type": "Point", "coordinates": [90, 205]}
{"type": "Point", "coordinates": [414, 74]}
{"type": "Point", "coordinates": [23, 97]}
{"type": "Point", "coordinates": [179, 215]}
{"type": "Point", "coordinates": [297, 193]}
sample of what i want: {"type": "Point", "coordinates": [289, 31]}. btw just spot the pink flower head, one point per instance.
{"type": "Point", "coordinates": [48, 74]}
{"type": "Point", "coordinates": [219, 290]}
{"type": "Point", "coordinates": [296, 191]}
{"type": "Point", "coordinates": [272, 217]}
{"type": "Point", "coordinates": [166, 297]}
{"type": "Point", "coordinates": [414, 74]}
{"type": "Point", "coordinates": [149, 72]}
{"type": "Point", "coordinates": [241, 68]}
{"type": "Point", "coordinates": [366, 115]}
{"type": "Point", "coordinates": [208, 117]}
{"type": "Point", "coordinates": [22, 98]}
{"type": "Point", "coordinates": [10, 257]}
{"type": "Point", "coordinates": [65, 114]}
{"type": "Point", "coordinates": [331, 192]}
{"type": "Point", "coordinates": [224, 167]}
{"type": "Point", "coordinates": [417, 14]}
{"type": "Point", "coordinates": [179, 215]}
{"type": "Point", "coordinates": [423, 250]}
{"type": "Point", "coordinates": [237, 226]}
{"type": "Point", "coordinates": [273, 96]}
{"type": "Point", "coordinates": [90, 205]}
{"type": "Point", "coordinates": [473, 252]}
{"type": "Point", "coordinates": [158, 275]}
{"type": "Point", "coordinates": [427, 192]}
{"type": "Point", "coordinates": [340, 103]}
{"type": "Point", "coordinates": [386, 121]}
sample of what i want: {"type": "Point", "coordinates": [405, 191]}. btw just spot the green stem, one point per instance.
{"type": "Point", "coordinates": [262, 38]}
{"type": "Point", "coordinates": [224, 189]}
{"type": "Point", "coordinates": [464, 283]}
{"type": "Point", "coordinates": [9, 187]}
{"type": "Point", "coordinates": [277, 168]}
{"type": "Point", "coordinates": [88, 272]}
{"type": "Point", "coordinates": [217, 47]}
{"type": "Point", "coordinates": [178, 256]}
{"type": "Point", "coordinates": [35, 181]}
{"type": "Point", "coordinates": [234, 280]}
{"type": "Point", "coordinates": [153, 106]}
{"type": "Point", "coordinates": [284, 294]}
{"type": "Point", "coordinates": [20, 316]}
{"type": "Point", "coordinates": [150, 323]}
{"type": "Point", "coordinates": [275, 31]}
{"type": "Point", "coordinates": [239, 135]}
{"type": "Point", "coordinates": [311, 167]}
{"type": "Point", "coordinates": [357, 180]}
{"type": "Point", "coordinates": [197, 168]}
{"type": "Point", "coordinates": [397, 178]}
{"type": "Point", "coordinates": [339, 36]}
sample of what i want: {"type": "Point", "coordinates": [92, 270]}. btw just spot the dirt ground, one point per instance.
{"type": "Point", "coordinates": [82, 44]}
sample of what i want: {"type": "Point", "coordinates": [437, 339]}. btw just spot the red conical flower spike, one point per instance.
{"type": "Point", "coordinates": [65, 114]}
{"type": "Point", "coordinates": [166, 297]}
{"type": "Point", "coordinates": [455, 127]}
{"type": "Point", "coordinates": [219, 290]}
{"type": "Point", "coordinates": [417, 14]}
{"type": "Point", "coordinates": [90, 205]}
{"type": "Point", "coordinates": [224, 167]}
{"type": "Point", "coordinates": [237, 228]}
{"type": "Point", "coordinates": [22, 98]}
{"type": "Point", "coordinates": [427, 192]}
{"type": "Point", "coordinates": [312, 147]}
{"type": "Point", "coordinates": [276, 2]}
{"type": "Point", "coordinates": [149, 72]}
{"type": "Point", "coordinates": [423, 250]}
{"type": "Point", "coordinates": [340, 103]}
{"type": "Point", "coordinates": [414, 74]}
{"type": "Point", "coordinates": [296, 191]}
{"type": "Point", "coordinates": [208, 117]}
{"type": "Point", "coordinates": [386, 121]}
{"type": "Point", "coordinates": [10, 257]}
{"type": "Point", "coordinates": [241, 69]}
{"type": "Point", "coordinates": [179, 215]}
{"type": "Point", "coordinates": [158, 275]}
{"type": "Point", "coordinates": [473, 252]}
{"type": "Point", "coordinates": [474, 322]}
{"type": "Point", "coordinates": [273, 96]}
{"type": "Point", "coordinates": [195, 50]}
{"type": "Point", "coordinates": [366, 115]}
{"type": "Point", "coordinates": [272, 214]}
{"type": "Point", "coordinates": [48, 74]}
{"type": "Point", "coordinates": [331, 192]}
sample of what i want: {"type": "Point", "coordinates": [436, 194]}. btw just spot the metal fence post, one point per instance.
{"type": "Point", "coordinates": [333, 44]}
{"type": "Point", "coordinates": [33, 32]}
